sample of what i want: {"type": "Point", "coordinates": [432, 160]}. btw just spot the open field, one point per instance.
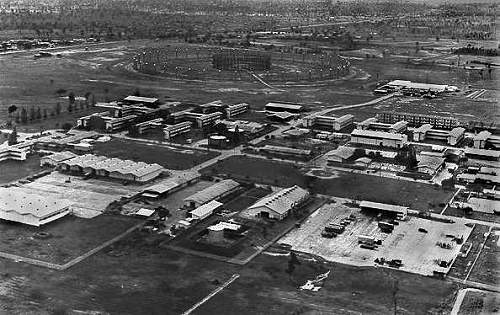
{"type": "Point", "coordinates": [103, 71]}
{"type": "Point", "coordinates": [417, 250]}
{"type": "Point", "coordinates": [11, 170]}
{"type": "Point", "coordinates": [151, 280]}
{"type": "Point", "coordinates": [487, 267]}
{"type": "Point", "coordinates": [462, 264]}
{"type": "Point", "coordinates": [69, 237]}
{"type": "Point", "coordinates": [475, 215]}
{"type": "Point", "coordinates": [477, 303]}
{"type": "Point", "coordinates": [167, 156]}
{"type": "Point", "coordinates": [417, 196]}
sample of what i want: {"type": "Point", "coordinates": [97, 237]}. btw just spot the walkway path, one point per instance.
{"type": "Point", "coordinates": [212, 294]}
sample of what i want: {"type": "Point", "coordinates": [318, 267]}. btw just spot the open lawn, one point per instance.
{"type": "Point", "coordinates": [462, 265]}
{"type": "Point", "coordinates": [146, 279]}
{"type": "Point", "coordinates": [417, 196]}
{"type": "Point", "coordinates": [69, 237]}
{"type": "Point", "coordinates": [167, 156]}
{"type": "Point", "coordinates": [487, 267]}
{"type": "Point", "coordinates": [478, 303]}
{"type": "Point", "coordinates": [11, 170]}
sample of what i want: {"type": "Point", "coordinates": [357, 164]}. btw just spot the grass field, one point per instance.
{"type": "Point", "coordinates": [11, 170]}
{"type": "Point", "coordinates": [486, 270]}
{"type": "Point", "coordinates": [462, 265]}
{"type": "Point", "coordinates": [146, 279]}
{"type": "Point", "coordinates": [348, 185]}
{"type": "Point", "coordinates": [168, 157]}
{"type": "Point", "coordinates": [476, 303]}
{"type": "Point", "coordinates": [69, 237]}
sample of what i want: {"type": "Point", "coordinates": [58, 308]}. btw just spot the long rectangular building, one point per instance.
{"type": "Point", "coordinates": [13, 153]}
{"type": "Point", "coordinates": [172, 131]}
{"type": "Point", "coordinates": [214, 192]}
{"type": "Point", "coordinates": [417, 120]}
{"type": "Point", "coordinates": [112, 167]}
{"type": "Point", "coordinates": [236, 109]}
{"type": "Point", "coordinates": [279, 204]}
{"type": "Point", "coordinates": [330, 122]}
{"type": "Point", "coordinates": [17, 205]}
{"type": "Point", "coordinates": [378, 138]}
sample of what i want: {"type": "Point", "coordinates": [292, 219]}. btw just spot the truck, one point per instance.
{"type": "Point", "coordinates": [365, 239]}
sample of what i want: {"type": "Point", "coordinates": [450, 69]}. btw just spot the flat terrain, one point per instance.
{"type": "Point", "coordinates": [463, 263]}
{"type": "Point", "coordinates": [417, 196]}
{"type": "Point", "coordinates": [146, 279]}
{"type": "Point", "coordinates": [88, 197]}
{"type": "Point", "coordinates": [167, 156]}
{"type": "Point", "coordinates": [69, 237]}
{"type": "Point", "coordinates": [418, 251]}
{"type": "Point", "coordinates": [478, 303]}
{"type": "Point", "coordinates": [487, 267]}
{"type": "Point", "coordinates": [11, 170]}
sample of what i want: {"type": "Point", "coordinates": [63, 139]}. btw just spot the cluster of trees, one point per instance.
{"type": "Point", "coordinates": [407, 156]}
{"type": "Point", "coordinates": [36, 113]}
{"type": "Point", "coordinates": [478, 51]}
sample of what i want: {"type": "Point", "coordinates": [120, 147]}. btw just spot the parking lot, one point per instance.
{"type": "Point", "coordinates": [417, 250]}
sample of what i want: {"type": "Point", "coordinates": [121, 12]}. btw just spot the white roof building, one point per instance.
{"type": "Point", "coordinates": [278, 204]}
{"type": "Point", "coordinates": [216, 191]}
{"type": "Point", "coordinates": [19, 206]}
{"type": "Point", "coordinates": [56, 158]}
{"type": "Point", "coordinates": [205, 210]}
{"type": "Point", "coordinates": [113, 167]}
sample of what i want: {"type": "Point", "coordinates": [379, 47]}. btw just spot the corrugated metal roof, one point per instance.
{"type": "Point", "coordinates": [14, 199]}
{"type": "Point", "coordinates": [283, 200]}
{"type": "Point", "coordinates": [213, 192]}
{"type": "Point", "coordinates": [378, 134]}
{"type": "Point", "coordinates": [206, 209]}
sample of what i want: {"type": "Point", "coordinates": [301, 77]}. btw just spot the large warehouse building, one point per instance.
{"type": "Point", "coordinates": [19, 206]}
{"type": "Point", "coordinates": [279, 204]}
{"type": "Point", "coordinates": [214, 192]}
{"type": "Point", "coordinates": [112, 167]}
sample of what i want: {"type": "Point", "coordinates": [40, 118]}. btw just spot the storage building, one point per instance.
{"type": "Point", "coordinates": [279, 204]}
{"type": "Point", "coordinates": [214, 192]}
{"type": "Point", "coordinates": [205, 210]}
{"type": "Point", "coordinates": [19, 206]}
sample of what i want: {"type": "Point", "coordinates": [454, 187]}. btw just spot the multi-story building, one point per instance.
{"type": "Point", "coordinates": [13, 153]}
{"type": "Point", "coordinates": [203, 120]}
{"type": "Point", "coordinates": [485, 137]}
{"type": "Point", "coordinates": [142, 127]}
{"type": "Point", "coordinates": [236, 109]}
{"type": "Point", "coordinates": [417, 120]}
{"type": "Point", "coordinates": [171, 131]}
{"type": "Point", "coordinates": [378, 138]}
{"type": "Point", "coordinates": [373, 124]}
{"type": "Point", "coordinates": [452, 137]}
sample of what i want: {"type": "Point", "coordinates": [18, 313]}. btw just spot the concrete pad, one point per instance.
{"type": "Point", "coordinates": [417, 250]}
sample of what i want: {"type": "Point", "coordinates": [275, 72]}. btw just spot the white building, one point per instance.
{"type": "Point", "coordinates": [216, 191]}
{"type": "Point", "coordinates": [203, 120]}
{"type": "Point", "coordinates": [56, 158]}
{"type": "Point", "coordinates": [148, 125]}
{"type": "Point", "coordinates": [328, 121]}
{"type": "Point", "coordinates": [378, 138]}
{"type": "Point", "coordinates": [13, 153]}
{"type": "Point", "coordinates": [452, 137]}
{"type": "Point", "coordinates": [205, 210]}
{"type": "Point", "coordinates": [484, 137]}
{"type": "Point", "coordinates": [172, 131]}
{"type": "Point", "coordinates": [19, 206]}
{"type": "Point", "coordinates": [112, 167]}
{"type": "Point", "coordinates": [236, 109]}
{"type": "Point", "coordinates": [279, 204]}
{"type": "Point", "coordinates": [340, 155]}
